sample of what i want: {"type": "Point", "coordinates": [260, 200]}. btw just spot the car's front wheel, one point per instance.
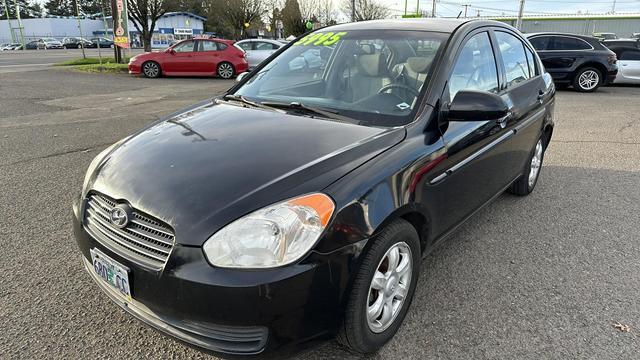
{"type": "Point", "coordinates": [151, 69]}
{"type": "Point", "coordinates": [225, 70]}
{"type": "Point", "coordinates": [587, 79]}
{"type": "Point", "coordinates": [383, 288]}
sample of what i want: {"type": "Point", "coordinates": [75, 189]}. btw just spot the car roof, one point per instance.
{"type": "Point", "coordinates": [584, 37]}
{"type": "Point", "coordinates": [420, 24]}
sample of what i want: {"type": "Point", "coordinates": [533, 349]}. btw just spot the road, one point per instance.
{"type": "Point", "coordinates": [35, 60]}
{"type": "Point", "coordinates": [546, 276]}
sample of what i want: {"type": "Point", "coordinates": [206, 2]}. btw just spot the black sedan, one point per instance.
{"type": "Point", "coordinates": [102, 42]}
{"type": "Point", "coordinates": [577, 60]}
{"type": "Point", "coordinates": [300, 204]}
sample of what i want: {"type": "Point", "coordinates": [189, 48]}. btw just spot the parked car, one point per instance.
{"type": "Point", "coordinates": [628, 54]}
{"type": "Point", "coordinates": [636, 35]}
{"type": "Point", "coordinates": [193, 57]}
{"type": "Point", "coordinates": [258, 49]}
{"type": "Point", "coordinates": [301, 203]}
{"type": "Point", "coordinates": [49, 43]}
{"type": "Point", "coordinates": [102, 42]}
{"type": "Point", "coordinates": [577, 60]}
{"type": "Point", "coordinates": [32, 45]}
{"type": "Point", "coordinates": [13, 46]}
{"type": "Point", "coordinates": [601, 36]}
{"type": "Point", "coordinates": [76, 43]}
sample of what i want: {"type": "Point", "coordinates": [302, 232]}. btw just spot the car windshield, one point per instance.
{"type": "Point", "coordinates": [373, 77]}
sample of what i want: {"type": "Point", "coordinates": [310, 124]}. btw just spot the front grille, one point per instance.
{"type": "Point", "coordinates": [143, 240]}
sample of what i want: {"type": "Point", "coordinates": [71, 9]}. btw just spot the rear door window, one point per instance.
{"type": "Point", "coordinates": [262, 45]}
{"type": "Point", "coordinates": [569, 43]}
{"type": "Point", "coordinates": [540, 42]}
{"type": "Point", "coordinates": [208, 46]}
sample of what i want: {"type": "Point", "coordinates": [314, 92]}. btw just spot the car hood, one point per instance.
{"type": "Point", "coordinates": [202, 169]}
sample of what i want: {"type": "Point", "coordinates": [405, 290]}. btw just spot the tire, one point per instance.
{"type": "Point", "coordinates": [225, 70]}
{"type": "Point", "coordinates": [151, 69]}
{"type": "Point", "coordinates": [527, 182]}
{"type": "Point", "coordinates": [587, 79]}
{"type": "Point", "coordinates": [360, 333]}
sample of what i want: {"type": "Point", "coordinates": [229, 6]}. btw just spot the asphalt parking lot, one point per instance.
{"type": "Point", "coordinates": [545, 276]}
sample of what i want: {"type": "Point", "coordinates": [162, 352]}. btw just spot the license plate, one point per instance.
{"type": "Point", "coordinates": [113, 273]}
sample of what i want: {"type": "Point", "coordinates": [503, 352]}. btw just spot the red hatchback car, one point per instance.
{"type": "Point", "coordinates": [193, 57]}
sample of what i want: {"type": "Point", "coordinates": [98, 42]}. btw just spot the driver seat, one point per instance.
{"type": "Point", "coordinates": [413, 73]}
{"type": "Point", "coordinates": [371, 76]}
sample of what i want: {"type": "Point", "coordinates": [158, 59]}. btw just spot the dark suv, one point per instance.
{"type": "Point", "coordinates": [577, 60]}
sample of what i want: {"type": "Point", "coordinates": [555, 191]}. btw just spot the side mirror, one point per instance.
{"type": "Point", "coordinates": [241, 76]}
{"type": "Point", "coordinates": [474, 105]}
{"type": "Point", "coordinates": [171, 51]}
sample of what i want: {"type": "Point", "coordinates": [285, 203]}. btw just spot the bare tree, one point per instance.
{"type": "Point", "coordinates": [230, 16]}
{"type": "Point", "coordinates": [366, 9]}
{"type": "Point", "coordinates": [327, 13]}
{"type": "Point", "coordinates": [308, 9]}
{"type": "Point", "coordinates": [145, 14]}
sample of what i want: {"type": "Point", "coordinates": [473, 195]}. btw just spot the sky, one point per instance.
{"type": "Point", "coordinates": [510, 7]}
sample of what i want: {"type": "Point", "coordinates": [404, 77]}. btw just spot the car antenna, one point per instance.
{"type": "Point", "coordinates": [460, 13]}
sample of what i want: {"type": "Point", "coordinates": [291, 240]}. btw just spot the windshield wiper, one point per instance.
{"type": "Point", "coordinates": [246, 101]}
{"type": "Point", "coordinates": [329, 114]}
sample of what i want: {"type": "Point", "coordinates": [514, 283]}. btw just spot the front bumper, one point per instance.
{"type": "Point", "coordinates": [228, 311]}
{"type": "Point", "coordinates": [135, 68]}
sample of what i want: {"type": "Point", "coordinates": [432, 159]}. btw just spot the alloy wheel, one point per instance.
{"type": "Point", "coordinates": [389, 287]}
{"type": "Point", "coordinates": [536, 162]}
{"type": "Point", "coordinates": [589, 79]}
{"type": "Point", "coordinates": [225, 70]}
{"type": "Point", "coordinates": [151, 69]}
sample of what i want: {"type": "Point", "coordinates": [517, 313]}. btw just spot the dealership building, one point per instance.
{"type": "Point", "coordinates": [171, 26]}
{"type": "Point", "coordinates": [623, 25]}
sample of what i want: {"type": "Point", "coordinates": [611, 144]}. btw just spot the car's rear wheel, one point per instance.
{"type": "Point", "coordinates": [383, 288]}
{"type": "Point", "coordinates": [587, 79]}
{"type": "Point", "coordinates": [527, 182]}
{"type": "Point", "coordinates": [151, 69]}
{"type": "Point", "coordinates": [225, 70]}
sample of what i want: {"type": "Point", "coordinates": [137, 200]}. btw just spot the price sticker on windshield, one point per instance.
{"type": "Point", "coordinates": [317, 39]}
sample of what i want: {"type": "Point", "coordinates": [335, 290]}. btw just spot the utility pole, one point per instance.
{"type": "Point", "coordinates": [465, 9]}
{"type": "Point", "coordinates": [520, 11]}
{"type": "Point", "coordinates": [405, 7]}
{"type": "Point", "coordinates": [117, 54]}
{"type": "Point", "coordinates": [20, 24]}
{"type": "Point", "coordinates": [613, 8]}
{"type": "Point", "coordinates": [353, 10]}
{"type": "Point", "coordinates": [6, 12]}
{"type": "Point", "coordinates": [84, 56]}
{"type": "Point", "coordinates": [433, 9]}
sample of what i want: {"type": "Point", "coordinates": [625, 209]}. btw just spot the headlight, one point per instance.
{"type": "Point", "coordinates": [276, 235]}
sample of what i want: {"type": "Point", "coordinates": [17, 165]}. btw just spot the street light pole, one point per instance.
{"type": "Point", "coordinates": [353, 10]}
{"type": "Point", "coordinates": [6, 11]}
{"type": "Point", "coordinates": [84, 56]}
{"type": "Point", "coordinates": [20, 24]}
{"type": "Point", "coordinates": [433, 10]}
{"type": "Point", "coordinates": [520, 11]}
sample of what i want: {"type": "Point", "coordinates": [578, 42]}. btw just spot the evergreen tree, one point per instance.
{"type": "Point", "coordinates": [27, 9]}
{"type": "Point", "coordinates": [292, 19]}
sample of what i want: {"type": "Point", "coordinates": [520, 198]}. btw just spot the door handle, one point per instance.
{"type": "Point", "coordinates": [541, 95]}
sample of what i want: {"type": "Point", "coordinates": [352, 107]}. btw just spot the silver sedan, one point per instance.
{"type": "Point", "coordinates": [257, 50]}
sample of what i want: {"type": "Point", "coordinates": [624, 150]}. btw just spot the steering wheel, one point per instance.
{"type": "Point", "coordinates": [386, 88]}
